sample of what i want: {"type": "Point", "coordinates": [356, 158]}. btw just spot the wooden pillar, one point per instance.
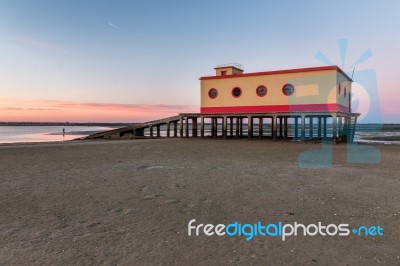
{"type": "Point", "coordinates": [319, 127]}
{"type": "Point", "coordinates": [202, 127]}
{"type": "Point", "coordinates": [168, 129]}
{"type": "Point", "coordinates": [274, 127]}
{"type": "Point", "coordinates": [231, 126]}
{"type": "Point", "coordinates": [237, 127]}
{"type": "Point", "coordinates": [249, 127]}
{"type": "Point", "coordinates": [303, 127]}
{"type": "Point", "coordinates": [260, 127]}
{"type": "Point", "coordinates": [325, 129]}
{"type": "Point", "coordinates": [280, 127]}
{"type": "Point", "coordinates": [348, 128]}
{"type": "Point", "coordinates": [224, 126]}
{"type": "Point", "coordinates": [286, 128]}
{"type": "Point", "coordinates": [181, 127]}
{"type": "Point", "coordinates": [151, 131]}
{"type": "Point", "coordinates": [334, 125]}
{"type": "Point", "coordinates": [158, 131]}
{"type": "Point", "coordinates": [216, 127]}
{"type": "Point", "coordinates": [296, 127]}
{"type": "Point", "coordinates": [212, 127]}
{"type": "Point", "coordinates": [175, 129]}
{"type": "Point", "coordinates": [194, 127]}
{"type": "Point", "coordinates": [187, 127]}
{"type": "Point", "coordinates": [311, 127]}
{"type": "Point", "coordinates": [340, 126]}
{"type": "Point", "coordinates": [241, 126]}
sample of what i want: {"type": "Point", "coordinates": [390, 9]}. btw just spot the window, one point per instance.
{"type": "Point", "coordinates": [345, 92]}
{"type": "Point", "coordinates": [340, 90]}
{"type": "Point", "coordinates": [261, 91]}
{"type": "Point", "coordinates": [223, 73]}
{"type": "Point", "coordinates": [236, 92]}
{"type": "Point", "coordinates": [288, 89]}
{"type": "Point", "coordinates": [213, 93]}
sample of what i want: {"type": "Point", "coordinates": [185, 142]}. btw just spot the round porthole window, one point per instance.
{"type": "Point", "coordinates": [236, 92]}
{"type": "Point", "coordinates": [213, 93]}
{"type": "Point", "coordinates": [261, 91]}
{"type": "Point", "coordinates": [288, 89]}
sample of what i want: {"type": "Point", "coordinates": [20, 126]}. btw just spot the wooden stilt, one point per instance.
{"type": "Point", "coordinates": [213, 127]}
{"type": "Point", "coordinates": [194, 127]}
{"type": "Point", "coordinates": [241, 126]}
{"type": "Point", "coordinates": [181, 127]}
{"type": "Point", "coordinates": [274, 127]}
{"type": "Point", "coordinates": [334, 125]}
{"type": "Point", "coordinates": [231, 127]}
{"type": "Point", "coordinates": [286, 128]}
{"type": "Point", "coordinates": [319, 127]}
{"type": "Point", "coordinates": [224, 126]}
{"type": "Point", "coordinates": [158, 131]}
{"type": "Point", "coordinates": [175, 129]}
{"type": "Point", "coordinates": [249, 127]}
{"type": "Point", "coordinates": [202, 127]}
{"type": "Point", "coordinates": [237, 127]}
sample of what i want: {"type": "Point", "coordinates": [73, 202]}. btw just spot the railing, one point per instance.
{"type": "Point", "coordinates": [236, 65]}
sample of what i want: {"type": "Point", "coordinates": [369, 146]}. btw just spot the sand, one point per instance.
{"type": "Point", "coordinates": [129, 203]}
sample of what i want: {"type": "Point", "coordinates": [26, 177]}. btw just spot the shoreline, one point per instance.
{"type": "Point", "coordinates": [79, 140]}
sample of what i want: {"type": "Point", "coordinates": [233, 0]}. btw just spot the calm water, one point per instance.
{"type": "Point", "coordinates": [367, 133]}
{"type": "Point", "coordinates": [13, 134]}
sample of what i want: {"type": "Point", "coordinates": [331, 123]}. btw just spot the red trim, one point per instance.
{"type": "Point", "coordinates": [277, 108]}
{"type": "Point", "coordinates": [215, 91]}
{"type": "Point", "coordinates": [280, 72]}
{"type": "Point", "coordinates": [266, 90]}
{"type": "Point", "coordinates": [239, 94]}
{"type": "Point", "coordinates": [283, 89]}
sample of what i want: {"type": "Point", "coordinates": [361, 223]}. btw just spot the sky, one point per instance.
{"type": "Point", "coordinates": [137, 60]}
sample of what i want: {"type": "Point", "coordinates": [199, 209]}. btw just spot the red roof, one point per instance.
{"type": "Point", "coordinates": [280, 72]}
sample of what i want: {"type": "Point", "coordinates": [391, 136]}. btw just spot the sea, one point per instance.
{"type": "Point", "coordinates": [388, 134]}
{"type": "Point", "coordinates": [26, 134]}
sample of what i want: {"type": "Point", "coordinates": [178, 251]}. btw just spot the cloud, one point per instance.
{"type": "Point", "coordinates": [114, 26]}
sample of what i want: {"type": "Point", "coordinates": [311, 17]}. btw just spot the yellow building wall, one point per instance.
{"type": "Point", "coordinates": [344, 98]}
{"type": "Point", "coordinates": [313, 87]}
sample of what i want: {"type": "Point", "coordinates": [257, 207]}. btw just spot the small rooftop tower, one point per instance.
{"type": "Point", "coordinates": [228, 69]}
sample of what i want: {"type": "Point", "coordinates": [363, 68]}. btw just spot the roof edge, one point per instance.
{"type": "Point", "coordinates": [285, 71]}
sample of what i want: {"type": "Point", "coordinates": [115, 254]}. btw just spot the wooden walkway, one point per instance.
{"type": "Point", "coordinates": [294, 125]}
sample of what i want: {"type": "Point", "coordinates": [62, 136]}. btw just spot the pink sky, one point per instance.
{"type": "Point", "coordinates": [29, 110]}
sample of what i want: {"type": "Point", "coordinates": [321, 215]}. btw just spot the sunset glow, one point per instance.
{"type": "Point", "coordinates": [130, 61]}
{"type": "Point", "coordinates": [12, 110]}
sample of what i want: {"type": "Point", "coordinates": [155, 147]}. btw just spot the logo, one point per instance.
{"type": "Point", "coordinates": [280, 229]}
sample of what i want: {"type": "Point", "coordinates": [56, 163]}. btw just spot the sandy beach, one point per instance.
{"type": "Point", "coordinates": [129, 203]}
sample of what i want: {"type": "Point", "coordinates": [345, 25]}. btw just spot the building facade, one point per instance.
{"type": "Point", "coordinates": [317, 89]}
